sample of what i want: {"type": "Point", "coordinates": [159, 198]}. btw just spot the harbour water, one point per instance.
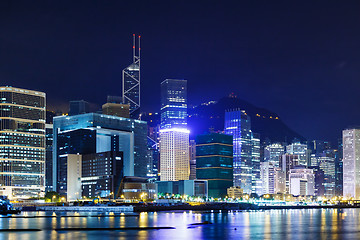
{"type": "Point", "coordinates": [268, 224]}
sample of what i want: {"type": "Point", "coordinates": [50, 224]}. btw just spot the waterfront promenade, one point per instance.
{"type": "Point", "coordinates": [179, 207]}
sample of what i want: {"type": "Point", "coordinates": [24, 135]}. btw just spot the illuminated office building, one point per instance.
{"type": "Point", "coordinates": [237, 124]}
{"type": "Point", "coordinates": [102, 174]}
{"type": "Point", "coordinates": [22, 143]}
{"type": "Point", "coordinates": [327, 165]}
{"type": "Point", "coordinates": [97, 133]}
{"type": "Point", "coordinates": [267, 172]}
{"type": "Point", "coordinates": [48, 157]}
{"type": "Point", "coordinates": [273, 152]}
{"type": "Point", "coordinates": [173, 104]}
{"type": "Point", "coordinates": [192, 158]}
{"type": "Point", "coordinates": [255, 156]}
{"type": "Point", "coordinates": [214, 162]}
{"type": "Point", "coordinates": [339, 169]}
{"type": "Point", "coordinates": [174, 136]}
{"type": "Point", "coordinates": [300, 150]}
{"type": "Point", "coordinates": [351, 163]}
{"type": "Point", "coordinates": [280, 181]}
{"type": "Point", "coordinates": [287, 162]}
{"type": "Point", "coordinates": [302, 181]}
{"type": "Point", "coordinates": [174, 154]}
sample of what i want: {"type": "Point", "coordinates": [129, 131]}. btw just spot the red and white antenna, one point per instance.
{"type": "Point", "coordinates": [139, 46]}
{"type": "Point", "coordinates": [134, 47]}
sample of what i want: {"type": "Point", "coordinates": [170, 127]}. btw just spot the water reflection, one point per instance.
{"type": "Point", "coordinates": [272, 224]}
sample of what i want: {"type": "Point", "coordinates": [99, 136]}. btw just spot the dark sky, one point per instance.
{"type": "Point", "coordinates": [300, 59]}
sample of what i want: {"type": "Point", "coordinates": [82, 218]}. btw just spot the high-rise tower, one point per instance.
{"type": "Point", "coordinates": [174, 136]}
{"type": "Point", "coordinates": [237, 124]}
{"type": "Point", "coordinates": [351, 163]}
{"type": "Point", "coordinates": [131, 82]}
{"type": "Point", "coordinates": [22, 143]}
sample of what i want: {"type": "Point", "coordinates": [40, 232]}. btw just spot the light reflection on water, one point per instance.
{"type": "Point", "coordinates": [271, 224]}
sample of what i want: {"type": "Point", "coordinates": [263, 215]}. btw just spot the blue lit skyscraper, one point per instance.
{"type": "Point", "coordinates": [174, 136]}
{"type": "Point", "coordinates": [255, 155]}
{"type": "Point", "coordinates": [173, 103]}
{"type": "Point", "coordinates": [237, 124]}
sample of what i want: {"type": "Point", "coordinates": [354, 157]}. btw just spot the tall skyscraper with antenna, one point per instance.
{"type": "Point", "coordinates": [131, 82]}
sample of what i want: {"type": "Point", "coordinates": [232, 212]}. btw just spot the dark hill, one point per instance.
{"type": "Point", "coordinates": [268, 124]}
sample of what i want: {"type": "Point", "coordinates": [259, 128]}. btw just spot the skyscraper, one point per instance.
{"type": "Point", "coordinates": [22, 143]}
{"type": "Point", "coordinates": [351, 163]}
{"type": "Point", "coordinates": [273, 152]}
{"type": "Point", "coordinates": [255, 156]}
{"type": "Point", "coordinates": [214, 162]}
{"type": "Point", "coordinates": [131, 82]}
{"type": "Point", "coordinates": [237, 124]}
{"type": "Point", "coordinates": [97, 133]}
{"type": "Point", "coordinates": [48, 157]}
{"type": "Point", "coordinates": [339, 169]}
{"type": "Point", "coordinates": [326, 163]}
{"type": "Point", "coordinates": [173, 104]}
{"type": "Point", "coordinates": [192, 158]}
{"type": "Point", "coordinates": [300, 150]}
{"type": "Point", "coordinates": [268, 177]}
{"type": "Point", "coordinates": [174, 136]}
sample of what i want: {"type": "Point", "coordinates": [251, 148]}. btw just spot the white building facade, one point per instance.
{"type": "Point", "coordinates": [351, 163]}
{"type": "Point", "coordinates": [302, 182]}
{"type": "Point", "coordinates": [174, 155]}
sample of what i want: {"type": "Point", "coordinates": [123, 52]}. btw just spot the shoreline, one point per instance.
{"type": "Point", "coordinates": [179, 207]}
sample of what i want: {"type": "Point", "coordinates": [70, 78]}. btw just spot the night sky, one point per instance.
{"type": "Point", "coordinates": [300, 60]}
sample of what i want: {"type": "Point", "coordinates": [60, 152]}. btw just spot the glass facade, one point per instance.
{"type": "Point", "coordinates": [300, 150]}
{"type": "Point", "coordinates": [174, 136]}
{"type": "Point", "coordinates": [214, 162]}
{"type": "Point", "coordinates": [49, 161]}
{"type": "Point", "coordinates": [22, 143]}
{"type": "Point", "coordinates": [131, 88]}
{"type": "Point", "coordinates": [273, 152]}
{"type": "Point", "coordinates": [174, 103]}
{"type": "Point", "coordinates": [268, 178]}
{"type": "Point", "coordinates": [238, 124]}
{"type": "Point", "coordinates": [339, 169]}
{"type": "Point", "coordinates": [102, 174]}
{"type": "Point", "coordinates": [255, 155]}
{"type": "Point", "coordinates": [96, 133]}
{"type": "Point", "coordinates": [192, 158]}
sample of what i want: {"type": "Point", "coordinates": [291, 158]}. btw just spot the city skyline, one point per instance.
{"type": "Point", "coordinates": [237, 120]}
{"type": "Point", "coordinates": [300, 79]}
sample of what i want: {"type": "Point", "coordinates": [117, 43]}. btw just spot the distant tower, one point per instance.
{"type": "Point", "coordinates": [131, 82]}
